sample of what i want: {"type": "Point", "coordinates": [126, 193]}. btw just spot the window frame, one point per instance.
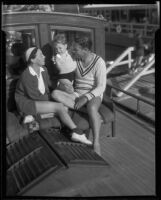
{"type": "Point", "coordinates": [73, 28]}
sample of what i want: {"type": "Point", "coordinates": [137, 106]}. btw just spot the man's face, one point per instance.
{"type": "Point", "coordinates": [78, 51]}
{"type": "Point", "coordinates": [39, 59]}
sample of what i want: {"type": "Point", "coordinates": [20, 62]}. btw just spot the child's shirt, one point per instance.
{"type": "Point", "coordinates": [66, 66]}
{"type": "Point", "coordinates": [65, 63]}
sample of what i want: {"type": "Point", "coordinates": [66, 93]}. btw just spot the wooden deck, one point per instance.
{"type": "Point", "coordinates": [131, 155]}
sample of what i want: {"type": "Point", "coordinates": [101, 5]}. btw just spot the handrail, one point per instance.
{"type": "Point", "coordinates": [117, 61]}
{"type": "Point", "coordinates": [152, 103]}
{"type": "Point", "coordinates": [137, 111]}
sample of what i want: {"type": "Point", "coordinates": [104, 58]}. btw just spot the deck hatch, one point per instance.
{"type": "Point", "coordinates": [31, 166]}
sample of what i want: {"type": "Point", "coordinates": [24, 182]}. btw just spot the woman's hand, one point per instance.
{"type": "Point", "coordinates": [79, 102]}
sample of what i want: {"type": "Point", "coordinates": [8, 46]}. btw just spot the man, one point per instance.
{"type": "Point", "coordinates": [89, 85]}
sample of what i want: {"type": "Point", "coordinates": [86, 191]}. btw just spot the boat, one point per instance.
{"type": "Point", "coordinates": [44, 162]}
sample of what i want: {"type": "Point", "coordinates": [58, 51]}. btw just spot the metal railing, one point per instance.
{"type": "Point", "coordinates": [147, 30]}
{"type": "Point", "coordinates": [138, 99]}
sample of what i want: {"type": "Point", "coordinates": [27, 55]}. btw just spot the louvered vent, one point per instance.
{"type": "Point", "coordinates": [32, 163]}
{"type": "Point", "coordinates": [72, 152]}
{"type": "Point", "coordinates": [47, 163]}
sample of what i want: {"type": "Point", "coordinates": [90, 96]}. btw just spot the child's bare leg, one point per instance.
{"type": "Point", "coordinates": [63, 97]}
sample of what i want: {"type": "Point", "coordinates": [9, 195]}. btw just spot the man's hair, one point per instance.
{"type": "Point", "coordinates": [84, 41]}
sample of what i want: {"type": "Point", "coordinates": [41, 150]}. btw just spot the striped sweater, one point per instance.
{"type": "Point", "coordinates": [91, 81]}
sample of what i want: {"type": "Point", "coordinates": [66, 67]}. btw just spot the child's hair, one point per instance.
{"type": "Point", "coordinates": [60, 38]}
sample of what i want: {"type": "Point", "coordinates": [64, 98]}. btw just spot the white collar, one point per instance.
{"type": "Point", "coordinates": [31, 70]}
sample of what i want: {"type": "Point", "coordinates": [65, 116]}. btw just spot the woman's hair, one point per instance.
{"type": "Point", "coordinates": [60, 38]}
{"type": "Point", "coordinates": [84, 41]}
{"type": "Point", "coordinates": [32, 55]}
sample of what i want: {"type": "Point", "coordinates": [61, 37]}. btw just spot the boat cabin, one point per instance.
{"type": "Point", "coordinates": [43, 162]}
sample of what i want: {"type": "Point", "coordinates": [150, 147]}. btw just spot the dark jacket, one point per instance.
{"type": "Point", "coordinates": [27, 92]}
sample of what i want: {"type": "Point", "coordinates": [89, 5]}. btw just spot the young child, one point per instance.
{"type": "Point", "coordinates": [65, 64]}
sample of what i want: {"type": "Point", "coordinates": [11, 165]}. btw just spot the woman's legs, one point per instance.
{"type": "Point", "coordinates": [63, 97]}
{"type": "Point", "coordinates": [57, 108]}
{"type": "Point", "coordinates": [92, 108]}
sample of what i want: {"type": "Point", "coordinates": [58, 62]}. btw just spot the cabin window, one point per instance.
{"type": "Point", "coordinates": [17, 42]}
{"type": "Point", "coordinates": [71, 33]}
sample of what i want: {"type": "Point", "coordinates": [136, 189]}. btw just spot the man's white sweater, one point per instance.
{"type": "Point", "coordinates": [91, 81]}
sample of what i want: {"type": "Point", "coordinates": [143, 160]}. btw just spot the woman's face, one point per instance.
{"type": "Point", "coordinates": [60, 48]}
{"type": "Point", "coordinates": [39, 59]}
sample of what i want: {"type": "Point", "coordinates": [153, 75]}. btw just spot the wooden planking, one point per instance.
{"type": "Point", "coordinates": [133, 160]}
{"type": "Point", "coordinates": [131, 155]}
{"type": "Point", "coordinates": [137, 133]}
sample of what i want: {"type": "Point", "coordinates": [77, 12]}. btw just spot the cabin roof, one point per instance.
{"type": "Point", "coordinates": [119, 6]}
{"type": "Point", "coordinates": [54, 13]}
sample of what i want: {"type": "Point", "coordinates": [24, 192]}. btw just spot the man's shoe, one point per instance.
{"type": "Point", "coordinates": [80, 138]}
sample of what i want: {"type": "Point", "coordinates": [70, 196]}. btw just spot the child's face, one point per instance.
{"type": "Point", "coordinates": [61, 48]}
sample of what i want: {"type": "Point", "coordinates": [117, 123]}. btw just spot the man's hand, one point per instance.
{"type": "Point", "coordinates": [79, 102]}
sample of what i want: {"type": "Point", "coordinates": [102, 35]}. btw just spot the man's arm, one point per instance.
{"type": "Point", "coordinates": [100, 76]}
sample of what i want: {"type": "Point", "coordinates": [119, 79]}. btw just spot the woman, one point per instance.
{"type": "Point", "coordinates": [89, 85]}
{"type": "Point", "coordinates": [33, 97]}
